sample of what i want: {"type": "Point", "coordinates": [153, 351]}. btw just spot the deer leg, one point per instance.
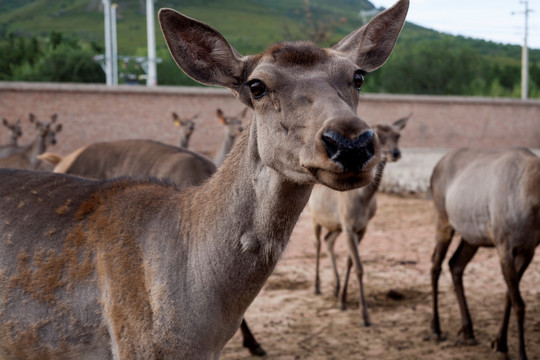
{"type": "Point", "coordinates": [329, 241]}
{"type": "Point", "coordinates": [458, 262]}
{"type": "Point", "coordinates": [343, 296]}
{"type": "Point", "coordinates": [513, 269]}
{"type": "Point", "coordinates": [249, 340]}
{"type": "Point", "coordinates": [352, 243]}
{"type": "Point", "coordinates": [444, 234]}
{"type": "Point", "coordinates": [317, 231]}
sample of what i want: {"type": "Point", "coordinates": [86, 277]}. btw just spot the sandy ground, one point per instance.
{"type": "Point", "coordinates": [291, 322]}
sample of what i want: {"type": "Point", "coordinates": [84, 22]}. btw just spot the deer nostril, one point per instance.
{"type": "Point", "coordinates": [351, 154]}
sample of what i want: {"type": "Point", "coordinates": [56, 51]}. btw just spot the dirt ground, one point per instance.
{"type": "Point", "coordinates": [291, 322]}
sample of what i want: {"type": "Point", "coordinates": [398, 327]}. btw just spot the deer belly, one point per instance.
{"type": "Point", "coordinates": [471, 219]}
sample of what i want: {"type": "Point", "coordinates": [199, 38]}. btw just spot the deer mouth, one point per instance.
{"type": "Point", "coordinates": [341, 180]}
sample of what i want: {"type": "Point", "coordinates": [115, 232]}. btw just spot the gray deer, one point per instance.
{"type": "Point", "coordinates": [140, 269]}
{"type": "Point", "coordinates": [350, 212]}
{"type": "Point", "coordinates": [491, 198]}
{"type": "Point", "coordinates": [15, 132]}
{"type": "Point", "coordinates": [187, 126]}
{"type": "Point", "coordinates": [26, 157]}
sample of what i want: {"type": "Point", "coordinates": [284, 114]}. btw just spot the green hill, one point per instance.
{"type": "Point", "coordinates": [251, 25]}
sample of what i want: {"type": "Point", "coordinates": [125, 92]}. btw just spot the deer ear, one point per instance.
{"type": "Point", "coordinates": [176, 119]}
{"type": "Point", "coordinates": [4, 121]}
{"type": "Point", "coordinates": [58, 128]}
{"type": "Point", "coordinates": [221, 117]}
{"type": "Point", "coordinates": [400, 123]}
{"type": "Point", "coordinates": [370, 46]}
{"type": "Point", "coordinates": [200, 51]}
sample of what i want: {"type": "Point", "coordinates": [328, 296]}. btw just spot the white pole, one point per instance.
{"type": "Point", "coordinates": [525, 58]}
{"type": "Point", "coordinates": [108, 48]}
{"type": "Point", "coordinates": [114, 45]}
{"type": "Point", "coordinates": [151, 79]}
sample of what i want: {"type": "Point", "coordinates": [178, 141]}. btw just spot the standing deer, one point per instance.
{"type": "Point", "coordinates": [139, 159]}
{"type": "Point", "coordinates": [130, 268]}
{"type": "Point", "coordinates": [233, 128]}
{"type": "Point", "coordinates": [350, 212]}
{"type": "Point", "coordinates": [15, 132]}
{"type": "Point", "coordinates": [26, 157]}
{"type": "Point", "coordinates": [491, 198]}
{"type": "Point", "coordinates": [187, 126]}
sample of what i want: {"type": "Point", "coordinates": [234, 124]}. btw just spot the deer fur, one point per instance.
{"type": "Point", "coordinates": [491, 198]}
{"type": "Point", "coordinates": [350, 212]}
{"type": "Point", "coordinates": [15, 132]}
{"type": "Point", "coordinates": [187, 126]}
{"type": "Point", "coordinates": [140, 158]}
{"type": "Point", "coordinates": [26, 157]}
{"type": "Point", "coordinates": [138, 269]}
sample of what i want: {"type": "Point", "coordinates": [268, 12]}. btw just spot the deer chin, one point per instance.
{"type": "Point", "coordinates": [343, 181]}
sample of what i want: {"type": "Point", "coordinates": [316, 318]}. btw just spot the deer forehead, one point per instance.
{"type": "Point", "coordinates": [295, 62]}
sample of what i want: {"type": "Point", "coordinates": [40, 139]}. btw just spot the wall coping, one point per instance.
{"type": "Point", "coordinates": [20, 86]}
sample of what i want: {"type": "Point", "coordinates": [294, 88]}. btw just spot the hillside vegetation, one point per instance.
{"type": "Point", "coordinates": [42, 40]}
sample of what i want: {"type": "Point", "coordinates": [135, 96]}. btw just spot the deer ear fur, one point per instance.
{"type": "Point", "coordinates": [200, 51]}
{"type": "Point", "coordinates": [370, 46]}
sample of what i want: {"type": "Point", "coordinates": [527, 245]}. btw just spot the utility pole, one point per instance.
{"type": "Point", "coordinates": [151, 79]}
{"type": "Point", "coordinates": [525, 54]}
{"type": "Point", "coordinates": [114, 45]}
{"type": "Point", "coordinates": [108, 43]}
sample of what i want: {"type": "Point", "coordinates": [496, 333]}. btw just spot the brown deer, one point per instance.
{"type": "Point", "coordinates": [15, 132]}
{"type": "Point", "coordinates": [491, 198]}
{"type": "Point", "coordinates": [27, 156]}
{"type": "Point", "coordinates": [130, 268]}
{"type": "Point", "coordinates": [187, 126]}
{"type": "Point", "coordinates": [350, 212]}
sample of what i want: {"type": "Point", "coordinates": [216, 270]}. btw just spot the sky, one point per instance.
{"type": "Point", "coordinates": [491, 20]}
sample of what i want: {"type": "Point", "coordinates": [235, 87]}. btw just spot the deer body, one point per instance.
{"type": "Point", "coordinates": [140, 158]}
{"type": "Point", "coordinates": [491, 198]}
{"type": "Point", "coordinates": [350, 212]}
{"type": "Point", "coordinates": [160, 273]}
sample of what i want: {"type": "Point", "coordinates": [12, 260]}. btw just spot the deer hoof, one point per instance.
{"type": "Point", "coordinates": [257, 351]}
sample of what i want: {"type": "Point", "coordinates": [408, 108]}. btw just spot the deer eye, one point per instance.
{"type": "Point", "coordinates": [358, 79]}
{"type": "Point", "coordinates": [257, 88]}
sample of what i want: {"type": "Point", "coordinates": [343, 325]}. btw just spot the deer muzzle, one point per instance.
{"type": "Point", "coordinates": [351, 154]}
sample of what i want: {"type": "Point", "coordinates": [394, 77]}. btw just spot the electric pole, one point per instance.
{"type": "Point", "coordinates": [525, 54]}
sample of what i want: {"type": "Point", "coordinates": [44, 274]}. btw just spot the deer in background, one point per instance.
{"type": "Point", "coordinates": [15, 132]}
{"type": "Point", "coordinates": [350, 212]}
{"type": "Point", "coordinates": [491, 198]}
{"type": "Point", "coordinates": [26, 157]}
{"type": "Point", "coordinates": [187, 126]}
{"type": "Point", "coordinates": [129, 268]}
{"type": "Point", "coordinates": [232, 128]}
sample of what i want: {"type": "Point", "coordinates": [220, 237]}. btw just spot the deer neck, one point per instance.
{"type": "Point", "coordinates": [248, 213]}
{"type": "Point", "coordinates": [36, 148]}
{"type": "Point", "coordinates": [224, 149]}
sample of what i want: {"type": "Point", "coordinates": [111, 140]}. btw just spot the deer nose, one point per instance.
{"type": "Point", "coordinates": [396, 154]}
{"type": "Point", "coordinates": [351, 154]}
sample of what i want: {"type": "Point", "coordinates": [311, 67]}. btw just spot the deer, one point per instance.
{"type": "Point", "coordinates": [26, 157]}
{"type": "Point", "coordinates": [129, 268]}
{"type": "Point", "coordinates": [491, 198]}
{"type": "Point", "coordinates": [15, 133]}
{"type": "Point", "coordinates": [187, 126]}
{"type": "Point", "coordinates": [232, 128]}
{"type": "Point", "coordinates": [144, 158]}
{"type": "Point", "coordinates": [350, 212]}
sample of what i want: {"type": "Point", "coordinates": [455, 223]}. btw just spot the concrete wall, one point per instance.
{"type": "Point", "coordinates": [91, 113]}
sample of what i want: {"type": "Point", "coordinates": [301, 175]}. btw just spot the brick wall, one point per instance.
{"type": "Point", "coordinates": [91, 113]}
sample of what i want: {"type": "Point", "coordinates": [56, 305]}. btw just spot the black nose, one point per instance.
{"type": "Point", "coordinates": [351, 154]}
{"type": "Point", "coordinates": [396, 154]}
